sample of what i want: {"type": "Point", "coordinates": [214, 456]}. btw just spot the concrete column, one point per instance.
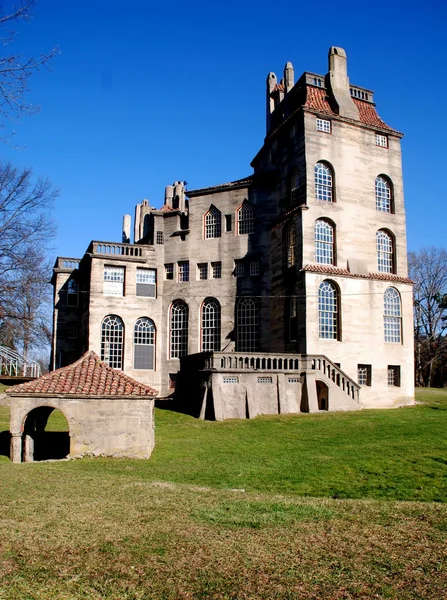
{"type": "Point", "coordinates": [16, 447]}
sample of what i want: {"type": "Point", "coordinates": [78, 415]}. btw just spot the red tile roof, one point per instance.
{"type": "Point", "coordinates": [331, 270]}
{"type": "Point", "coordinates": [317, 100]}
{"type": "Point", "coordinates": [279, 87]}
{"type": "Point", "coordinates": [166, 208]}
{"type": "Point", "coordinates": [88, 376]}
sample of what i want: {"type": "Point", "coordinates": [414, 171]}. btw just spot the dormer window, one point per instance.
{"type": "Point", "coordinates": [323, 125]}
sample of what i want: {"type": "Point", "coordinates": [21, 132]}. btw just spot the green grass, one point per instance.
{"type": "Point", "coordinates": [3, 387]}
{"type": "Point", "coordinates": [219, 511]}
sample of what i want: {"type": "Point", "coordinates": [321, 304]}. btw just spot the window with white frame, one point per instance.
{"type": "Point", "coordinates": [383, 195]}
{"type": "Point", "coordinates": [210, 325]}
{"type": "Point", "coordinates": [112, 341]}
{"type": "Point", "coordinates": [294, 188]}
{"type": "Point", "coordinates": [247, 324]}
{"type": "Point", "coordinates": [381, 140]}
{"type": "Point", "coordinates": [239, 268]}
{"type": "Point", "coordinates": [324, 242]}
{"type": "Point", "coordinates": [230, 379]}
{"type": "Point", "coordinates": [245, 219]}
{"type": "Point", "coordinates": [364, 374]}
{"type": "Point", "coordinates": [328, 311]}
{"type": "Point", "coordinates": [265, 380]}
{"type": "Point", "coordinates": [179, 329]}
{"type": "Point", "coordinates": [216, 270]}
{"type": "Point", "coordinates": [323, 125]}
{"type": "Point", "coordinates": [290, 243]}
{"type": "Point", "coordinates": [254, 267]}
{"type": "Point", "coordinates": [393, 375]}
{"type": "Point", "coordinates": [113, 281]}
{"type": "Point", "coordinates": [213, 223]}
{"type": "Point", "coordinates": [385, 252]}
{"type": "Point", "coordinates": [169, 271]}
{"type": "Point", "coordinates": [392, 316]}
{"type": "Point", "coordinates": [202, 270]}
{"type": "Point", "coordinates": [183, 271]}
{"type": "Point", "coordinates": [323, 182]}
{"type": "Point", "coordinates": [159, 237]}
{"type": "Point", "coordinates": [144, 344]}
{"type": "Point", "coordinates": [146, 280]}
{"type": "Point", "coordinates": [72, 293]}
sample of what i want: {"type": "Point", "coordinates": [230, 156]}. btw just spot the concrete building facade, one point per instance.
{"type": "Point", "coordinates": [306, 256]}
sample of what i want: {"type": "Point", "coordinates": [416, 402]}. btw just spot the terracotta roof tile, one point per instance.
{"type": "Point", "coordinates": [279, 87]}
{"type": "Point", "coordinates": [166, 208]}
{"type": "Point", "coordinates": [368, 114]}
{"type": "Point", "coordinates": [88, 376]}
{"type": "Point", "coordinates": [331, 270]}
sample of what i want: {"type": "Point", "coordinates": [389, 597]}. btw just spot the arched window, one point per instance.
{"type": "Point", "coordinates": [383, 195]}
{"type": "Point", "coordinates": [290, 243]}
{"type": "Point", "coordinates": [294, 188]}
{"type": "Point", "coordinates": [323, 182]}
{"type": "Point", "coordinates": [328, 311]}
{"type": "Point", "coordinates": [245, 219]}
{"type": "Point", "coordinates": [112, 336]}
{"type": "Point", "coordinates": [385, 251]}
{"type": "Point", "coordinates": [210, 325]}
{"type": "Point", "coordinates": [324, 242]}
{"type": "Point", "coordinates": [179, 329]}
{"type": "Point", "coordinates": [144, 344]}
{"type": "Point", "coordinates": [246, 325]}
{"type": "Point", "coordinates": [392, 316]}
{"type": "Point", "coordinates": [213, 225]}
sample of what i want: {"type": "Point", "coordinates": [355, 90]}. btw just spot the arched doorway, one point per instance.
{"type": "Point", "coordinates": [322, 395]}
{"type": "Point", "coordinates": [46, 435]}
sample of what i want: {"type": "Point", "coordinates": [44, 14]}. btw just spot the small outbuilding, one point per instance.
{"type": "Point", "coordinates": [108, 413]}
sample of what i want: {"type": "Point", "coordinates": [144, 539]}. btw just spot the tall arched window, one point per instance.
{"type": "Point", "coordinates": [246, 325]}
{"type": "Point", "coordinates": [213, 224]}
{"type": "Point", "coordinates": [392, 316]}
{"type": "Point", "coordinates": [383, 195]}
{"type": "Point", "coordinates": [144, 344]}
{"type": "Point", "coordinates": [323, 182]}
{"type": "Point", "coordinates": [290, 243]}
{"type": "Point", "coordinates": [294, 188]}
{"type": "Point", "coordinates": [328, 311]}
{"type": "Point", "coordinates": [324, 242]}
{"type": "Point", "coordinates": [245, 219]}
{"type": "Point", "coordinates": [210, 325]}
{"type": "Point", "coordinates": [179, 329]}
{"type": "Point", "coordinates": [112, 336]}
{"type": "Point", "coordinates": [385, 251]}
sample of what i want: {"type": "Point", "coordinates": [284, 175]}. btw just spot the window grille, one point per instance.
{"type": "Point", "coordinates": [245, 219]}
{"type": "Point", "coordinates": [113, 281]}
{"type": "Point", "coordinates": [230, 379]}
{"type": "Point", "coordinates": [265, 380]}
{"type": "Point", "coordinates": [169, 271]}
{"type": "Point", "coordinates": [323, 125]}
{"type": "Point", "coordinates": [203, 270]}
{"type": "Point", "coordinates": [392, 316]}
{"type": "Point", "coordinates": [381, 140]}
{"type": "Point", "coordinates": [179, 329]}
{"type": "Point", "coordinates": [385, 253]}
{"type": "Point", "coordinates": [72, 293]}
{"type": "Point", "coordinates": [216, 270]}
{"type": "Point", "coordinates": [212, 223]}
{"type": "Point", "coordinates": [247, 325]}
{"type": "Point", "coordinates": [210, 325]}
{"type": "Point", "coordinates": [254, 268]}
{"type": "Point", "coordinates": [294, 188]}
{"type": "Point", "coordinates": [328, 311]}
{"type": "Point", "coordinates": [146, 282]}
{"type": "Point", "coordinates": [183, 271]}
{"type": "Point", "coordinates": [239, 268]}
{"type": "Point", "coordinates": [394, 375]}
{"type": "Point", "coordinates": [324, 242]}
{"type": "Point", "coordinates": [383, 195]}
{"type": "Point", "coordinates": [112, 335]}
{"type": "Point", "coordinates": [160, 238]}
{"type": "Point", "coordinates": [323, 183]}
{"type": "Point", "coordinates": [364, 374]}
{"type": "Point", "coordinates": [290, 245]}
{"type": "Point", "coordinates": [293, 380]}
{"type": "Point", "coordinates": [144, 344]}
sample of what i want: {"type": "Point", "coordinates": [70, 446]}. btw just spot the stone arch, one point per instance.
{"type": "Point", "coordinates": [322, 395]}
{"type": "Point", "coordinates": [39, 443]}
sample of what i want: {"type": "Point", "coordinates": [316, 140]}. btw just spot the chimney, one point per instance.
{"type": "Point", "coordinates": [338, 84]}
{"type": "Point", "coordinates": [289, 76]}
{"type": "Point", "coordinates": [126, 229]}
{"type": "Point", "coordinates": [271, 83]}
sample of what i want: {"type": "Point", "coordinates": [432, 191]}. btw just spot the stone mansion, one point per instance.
{"type": "Point", "coordinates": [283, 291]}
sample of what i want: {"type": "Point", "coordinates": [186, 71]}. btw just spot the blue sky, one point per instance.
{"type": "Point", "coordinates": [144, 93]}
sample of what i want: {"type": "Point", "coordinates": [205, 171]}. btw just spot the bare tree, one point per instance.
{"type": "Point", "coordinates": [428, 269]}
{"type": "Point", "coordinates": [26, 232]}
{"type": "Point", "coordinates": [16, 68]}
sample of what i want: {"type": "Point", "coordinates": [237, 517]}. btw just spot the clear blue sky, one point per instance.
{"type": "Point", "coordinates": [144, 93]}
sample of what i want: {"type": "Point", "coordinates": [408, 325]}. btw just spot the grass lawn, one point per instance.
{"type": "Point", "coordinates": [337, 506]}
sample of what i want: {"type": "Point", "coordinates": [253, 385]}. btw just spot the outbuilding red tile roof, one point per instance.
{"type": "Point", "coordinates": [88, 376]}
{"type": "Point", "coordinates": [317, 100]}
{"type": "Point", "coordinates": [331, 270]}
